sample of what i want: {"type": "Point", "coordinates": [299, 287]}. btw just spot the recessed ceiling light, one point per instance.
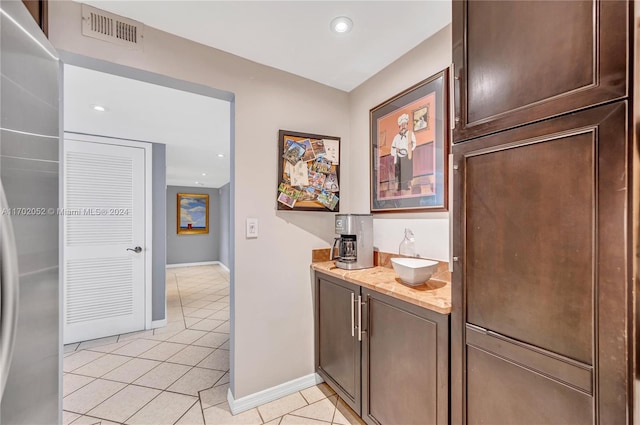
{"type": "Point", "coordinates": [99, 108]}
{"type": "Point", "coordinates": [197, 182]}
{"type": "Point", "coordinates": [341, 24]}
{"type": "Point", "coordinates": [220, 155]}
{"type": "Point", "coordinates": [204, 174]}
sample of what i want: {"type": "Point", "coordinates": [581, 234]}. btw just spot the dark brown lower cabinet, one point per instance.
{"type": "Point", "coordinates": [405, 363]}
{"type": "Point", "coordinates": [400, 350]}
{"type": "Point", "coordinates": [540, 331]}
{"type": "Point", "coordinates": [337, 347]}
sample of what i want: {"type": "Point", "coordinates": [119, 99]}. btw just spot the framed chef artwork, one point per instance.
{"type": "Point", "coordinates": [409, 136]}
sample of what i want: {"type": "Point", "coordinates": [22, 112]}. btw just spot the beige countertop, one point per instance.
{"type": "Point", "coordinates": [435, 294]}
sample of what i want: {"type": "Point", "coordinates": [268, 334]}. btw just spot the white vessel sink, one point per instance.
{"type": "Point", "coordinates": [414, 271]}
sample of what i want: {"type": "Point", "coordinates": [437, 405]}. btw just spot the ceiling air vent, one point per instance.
{"type": "Point", "coordinates": [115, 29]}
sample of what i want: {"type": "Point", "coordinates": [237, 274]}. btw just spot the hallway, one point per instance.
{"type": "Point", "coordinates": [178, 374]}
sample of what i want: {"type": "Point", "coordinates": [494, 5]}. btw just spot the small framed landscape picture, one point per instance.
{"type": "Point", "coordinates": [193, 213]}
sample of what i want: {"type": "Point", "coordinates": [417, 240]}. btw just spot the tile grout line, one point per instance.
{"type": "Point", "coordinates": [204, 421]}
{"type": "Point", "coordinates": [103, 401]}
{"type": "Point", "coordinates": [199, 397]}
{"type": "Point", "coordinates": [307, 417]}
{"type": "Point", "coordinates": [161, 391]}
{"type": "Point", "coordinates": [310, 404]}
{"type": "Point", "coordinates": [152, 388]}
{"type": "Point", "coordinates": [218, 380]}
{"type": "Point", "coordinates": [148, 387]}
{"type": "Point", "coordinates": [103, 354]}
{"type": "Point", "coordinates": [143, 406]}
{"type": "Point", "coordinates": [187, 411]}
{"type": "Point", "coordinates": [93, 417]}
{"type": "Point", "coordinates": [259, 414]}
{"type": "Point", "coordinates": [333, 417]}
{"type": "Point", "coordinates": [175, 275]}
{"type": "Point", "coordinates": [93, 377]}
{"type": "Point", "coordinates": [305, 399]}
{"type": "Point", "coordinates": [109, 371]}
{"type": "Point", "coordinates": [193, 290]}
{"type": "Point", "coordinates": [79, 388]}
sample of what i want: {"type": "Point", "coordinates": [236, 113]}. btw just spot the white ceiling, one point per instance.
{"type": "Point", "coordinates": [293, 36]}
{"type": "Point", "coordinates": [195, 128]}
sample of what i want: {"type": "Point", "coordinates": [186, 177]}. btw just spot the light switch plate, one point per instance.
{"type": "Point", "coordinates": [252, 228]}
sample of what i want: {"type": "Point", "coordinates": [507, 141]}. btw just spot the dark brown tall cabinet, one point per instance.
{"type": "Point", "coordinates": [545, 213]}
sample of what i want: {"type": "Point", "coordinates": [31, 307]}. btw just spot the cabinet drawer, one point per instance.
{"type": "Point", "coordinates": [502, 392]}
{"type": "Point", "coordinates": [564, 370]}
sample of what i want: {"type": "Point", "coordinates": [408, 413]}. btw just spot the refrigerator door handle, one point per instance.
{"type": "Point", "coordinates": [9, 287]}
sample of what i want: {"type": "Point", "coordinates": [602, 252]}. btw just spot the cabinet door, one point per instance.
{"type": "Point", "coordinates": [541, 237]}
{"type": "Point", "coordinates": [337, 346]}
{"type": "Point", "coordinates": [405, 363]}
{"type": "Point", "coordinates": [39, 9]}
{"type": "Point", "coordinates": [518, 62]}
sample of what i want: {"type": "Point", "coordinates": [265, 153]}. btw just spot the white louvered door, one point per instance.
{"type": "Point", "coordinates": [104, 202]}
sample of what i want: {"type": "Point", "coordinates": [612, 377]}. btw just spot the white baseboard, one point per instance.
{"type": "Point", "coordinates": [224, 267]}
{"type": "Point", "coordinates": [253, 400]}
{"type": "Point", "coordinates": [204, 263]}
{"type": "Point", "coordinates": [158, 323]}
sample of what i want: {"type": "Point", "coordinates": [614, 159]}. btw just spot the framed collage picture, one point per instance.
{"type": "Point", "coordinates": [309, 172]}
{"type": "Point", "coordinates": [409, 148]}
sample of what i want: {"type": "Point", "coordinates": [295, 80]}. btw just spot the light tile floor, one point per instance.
{"type": "Point", "coordinates": [179, 374]}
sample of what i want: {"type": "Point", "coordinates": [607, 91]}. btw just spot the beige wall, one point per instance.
{"type": "Point", "coordinates": [272, 290]}
{"type": "Point", "coordinates": [431, 229]}
{"type": "Point", "coordinates": [273, 294]}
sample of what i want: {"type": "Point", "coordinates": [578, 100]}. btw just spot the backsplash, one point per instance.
{"type": "Point", "coordinates": [382, 259]}
{"type": "Point", "coordinates": [320, 255]}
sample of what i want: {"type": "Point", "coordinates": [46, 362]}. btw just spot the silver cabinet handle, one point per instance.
{"type": "Point", "coordinates": [9, 287]}
{"type": "Point", "coordinates": [353, 300]}
{"type": "Point", "coordinates": [137, 249]}
{"type": "Point", "coordinates": [360, 318]}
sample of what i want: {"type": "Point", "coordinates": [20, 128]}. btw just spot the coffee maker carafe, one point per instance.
{"type": "Point", "coordinates": [355, 244]}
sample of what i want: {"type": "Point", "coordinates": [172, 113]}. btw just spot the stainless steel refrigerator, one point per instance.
{"type": "Point", "coordinates": [30, 348]}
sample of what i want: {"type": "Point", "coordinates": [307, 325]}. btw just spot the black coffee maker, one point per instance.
{"type": "Point", "coordinates": [355, 244]}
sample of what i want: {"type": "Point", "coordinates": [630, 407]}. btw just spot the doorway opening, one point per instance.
{"type": "Point", "coordinates": [198, 287]}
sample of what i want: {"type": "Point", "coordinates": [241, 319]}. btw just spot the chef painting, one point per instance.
{"type": "Point", "coordinates": [406, 152]}
{"type": "Point", "coordinates": [409, 149]}
{"type": "Point", "coordinates": [402, 149]}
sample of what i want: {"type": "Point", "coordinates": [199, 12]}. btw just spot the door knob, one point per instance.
{"type": "Point", "coordinates": [137, 249]}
